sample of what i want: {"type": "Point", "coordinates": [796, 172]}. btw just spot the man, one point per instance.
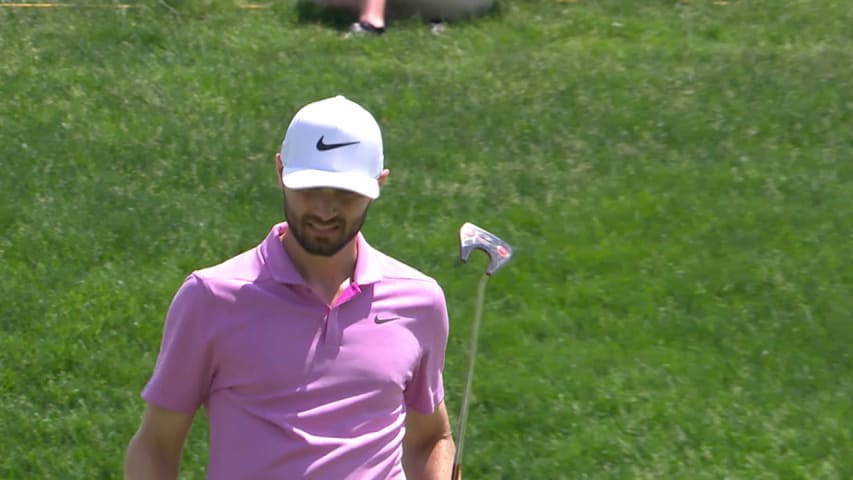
{"type": "Point", "coordinates": [314, 355]}
{"type": "Point", "coordinates": [372, 13]}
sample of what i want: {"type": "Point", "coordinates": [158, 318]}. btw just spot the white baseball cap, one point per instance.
{"type": "Point", "coordinates": [333, 143]}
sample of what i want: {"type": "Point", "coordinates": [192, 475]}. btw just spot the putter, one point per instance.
{"type": "Point", "coordinates": [472, 237]}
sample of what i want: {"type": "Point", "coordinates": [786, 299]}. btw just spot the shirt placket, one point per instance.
{"type": "Point", "coordinates": [332, 328]}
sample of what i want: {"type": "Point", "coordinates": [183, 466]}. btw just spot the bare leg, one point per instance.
{"type": "Point", "coordinates": [373, 12]}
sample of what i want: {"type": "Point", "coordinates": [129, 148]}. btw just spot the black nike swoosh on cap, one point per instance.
{"type": "Point", "coordinates": [331, 146]}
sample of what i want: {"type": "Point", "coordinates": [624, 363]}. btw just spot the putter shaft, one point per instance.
{"type": "Point", "coordinates": [466, 395]}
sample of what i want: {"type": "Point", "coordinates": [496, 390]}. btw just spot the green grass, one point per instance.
{"type": "Point", "coordinates": [676, 179]}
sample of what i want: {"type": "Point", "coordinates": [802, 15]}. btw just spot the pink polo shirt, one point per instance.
{"type": "Point", "coordinates": [294, 388]}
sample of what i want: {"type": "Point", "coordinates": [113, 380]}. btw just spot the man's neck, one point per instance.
{"type": "Point", "coordinates": [323, 274]}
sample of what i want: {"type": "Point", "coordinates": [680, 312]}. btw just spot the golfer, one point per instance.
{"type": "Point", "coordinates": [314, 355]}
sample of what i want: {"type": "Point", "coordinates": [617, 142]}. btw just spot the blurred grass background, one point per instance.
{"type": "Point", "coordinates": [675, 178]}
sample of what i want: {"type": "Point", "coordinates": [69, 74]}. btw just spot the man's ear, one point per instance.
{"type": "Point", "coordinates": [279, 167]}
{"type": "Point", "coordinates": [383, 176]}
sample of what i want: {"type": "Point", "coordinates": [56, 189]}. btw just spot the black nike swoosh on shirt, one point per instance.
{"type": "Point", "coordinates": [380, 321]}
{"type": "Point", "coordinates": [321, 146]}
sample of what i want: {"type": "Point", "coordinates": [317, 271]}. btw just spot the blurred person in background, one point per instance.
{"type": "Point", "coordinates": [372, 13]}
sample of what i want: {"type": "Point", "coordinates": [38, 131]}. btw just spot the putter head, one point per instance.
{"type": "Point", "coordinates": [473, 237]}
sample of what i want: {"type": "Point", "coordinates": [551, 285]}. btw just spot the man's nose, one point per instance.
{"type": "Point", "coordinates": [324, 203]}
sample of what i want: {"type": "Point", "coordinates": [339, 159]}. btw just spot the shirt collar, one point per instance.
{"type": "Point", "coordinates": [367, 268]}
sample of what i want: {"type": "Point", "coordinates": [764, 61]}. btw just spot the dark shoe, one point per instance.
{"type": "Point", "coordinates": [361, 28]}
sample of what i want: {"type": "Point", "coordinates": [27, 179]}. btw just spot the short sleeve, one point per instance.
{"type": "Point", "coordinates": [426, 387]}
{"type": "Point", "coordinates": [183, 373]}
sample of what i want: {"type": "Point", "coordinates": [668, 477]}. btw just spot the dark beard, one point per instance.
{"type": "Point", "coordinates": [321, 248]}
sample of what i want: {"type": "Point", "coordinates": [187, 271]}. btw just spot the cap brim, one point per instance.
{"type": "Point", "coordinates": [299, 179]}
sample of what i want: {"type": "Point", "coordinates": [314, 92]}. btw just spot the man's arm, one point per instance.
{"type": "Point", "coordinates": [428, 445]}
{"type": "Point", "coordinates": [154, 451]}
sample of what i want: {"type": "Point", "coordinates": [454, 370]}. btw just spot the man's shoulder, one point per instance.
{"type": "Point", "coordinates": [397, 270]}
{"type": "Point", "coordinates": [244, 267]}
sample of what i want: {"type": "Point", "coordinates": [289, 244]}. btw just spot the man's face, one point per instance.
{"type": "Point", "coordinates": [324, 220]}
